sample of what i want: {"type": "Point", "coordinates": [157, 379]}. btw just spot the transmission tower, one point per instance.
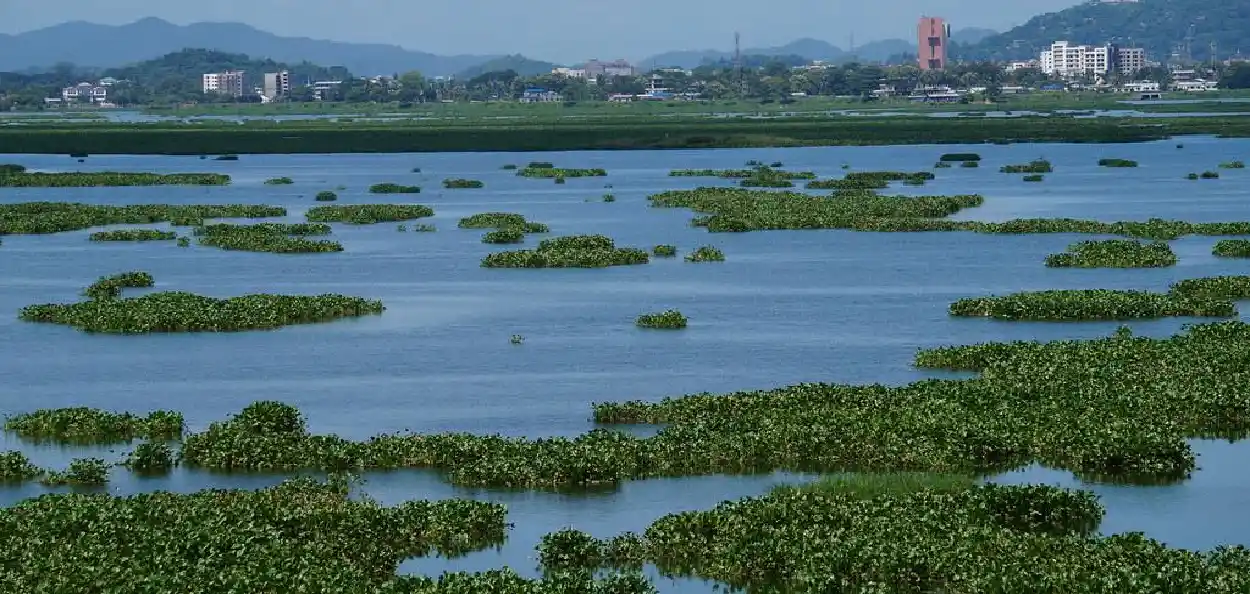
{"type": "Point", "coordinates": [1189, 42]}
{"type": "Point", "coordinates": [742, 81]}
{"type": "Point", "coordinates": [1214, 60]}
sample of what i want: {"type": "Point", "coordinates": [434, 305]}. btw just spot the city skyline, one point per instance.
{"type": "Point", "coordinates": [578, 31]}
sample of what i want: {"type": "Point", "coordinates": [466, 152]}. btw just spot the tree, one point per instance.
{"type": "Point", "coordinates": [1237, 77]}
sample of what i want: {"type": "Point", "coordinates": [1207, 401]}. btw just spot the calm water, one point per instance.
{"type": "Point", "coordinates": [786, 307]}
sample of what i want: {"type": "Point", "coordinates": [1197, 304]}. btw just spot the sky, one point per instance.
{"type": "Point", "coordinates": [555, 30]}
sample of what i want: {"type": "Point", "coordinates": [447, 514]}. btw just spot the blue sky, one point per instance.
{"type": "Point", "coordinates": [558, 30]}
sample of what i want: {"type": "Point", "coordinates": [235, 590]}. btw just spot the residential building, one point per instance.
{"type": "Point", "coordinates": [1022, 65]}
{"type": "Point", "coordinates": [85, 92]}
{"type": "Point", "coordinates": [1070, 61]}
{"type": "Point", "coordinates": [1129, 60]}
{"type": "Point", "coordinates": [229, 82]}
{"type": "Point", "coordinates": [932, 37]}
{"type": "Point", "coordinates": [539, 95]}
{"type": "Point", "coordinates": [1146, 86]}
{"type": "Point", "coordinates": [1197, 85]}
{"type": "Point", "coordinates": [322, 87]}
{"type": "Point", "coordinates": [277, 84]}
{"type": "Point", "coordinates": [569, 72]}
{"type": "Point", "coordinates": [595, 68]}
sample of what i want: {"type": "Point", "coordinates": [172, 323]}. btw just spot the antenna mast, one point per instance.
{"type": "Point", "coordinates": [742, 81]}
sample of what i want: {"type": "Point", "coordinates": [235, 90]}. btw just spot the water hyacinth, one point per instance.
{"type": "Point", "coordinates": [55, 217]}
{"type": "Point", "coordinates": [960, 157]}
{"type": "Point", "coordinates": [1232, 248]}
{"type": "Point", "coordinates": [82, 472]}
{"type": "Point", "coordinates": [392, 188]}
{"type": "Point", "coordinates": [462, 183]}
{"type": "Point", "coordinates": [1114, 253]}
{"type": "Point", "coordinates": [150, 458]}
{"type": "Point", "coordinates": [299, 536]}
{"type": "Point", "coordinates": [1035, 166]}
{"type": "Point", "coordinates": [664, 251]}
{"type": "Point", "coordinates": [368, 214]}
{"type": "Point", "coordinates": [326, 196]}
{"type": "Point", "coordinates": [501, 220]}
{"type": "Point", "coordinates": [1233, 165]}
{"type": "Point", "coordinates": [279, 238]}
{"type": "Point", "coordinates": [15, 467]}
{"type": "Point", "coordinates": [666, 320]}
{"type": "Point", "coordinates": [23, 179]}
{"type": "Point", "coordinates": [1090, 304]}
{"type": "Point", "coordinates": [110, 287]}
{"type": "Point", "coordinates": [1117, 163]}
{"type": "Point", "coordinates": [574, 251]}
{"type": "Point", "coordinates": [506, 235]}
{"type": "Point", "coordinates": [970, 164]}
{"type": "Point", "coordinates": [279, 181]}
{"type": "Point", "coordinates": [83, 426]}
{"type": "Point", "coordinates": [558, 174]}
{"type": "Point", "coordinates": [133, 235]}
{"type": "Point", "coordinates": [706, 253]}
{"type": "Point", "coordinates": [1036, 177]}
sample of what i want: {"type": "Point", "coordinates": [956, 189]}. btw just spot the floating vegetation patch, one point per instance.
{"type": "Point", "coordinates": [326, 196]}
{"type": "Point", "coordinates": [1233, 165]}
{"type": "Point", "coordinates": [133, 235]}
{"type": "Point", "coordinates": [77, 179]}
{"type": "Point", "coordinates": [941, 165]}
{"type": "Point", "coordinates": [665, 320]}
{"type": "Point", "coordinates": [848, 184]}
{"type": "Point", "coordinates": [55, 217]}
{"type": "Point", "coordinates": [424, 228]}
{"type": "Point", "coordinates": [706, 253]}
{"type": "Point", "coordinates": [539, 165]}
{"type": "Point", "coordinates": [279, 181]}
{"type": "Point", "coordinates": [110, 287]}
{"type": "Point", "coordinates": [368, 214]}
{"type": "Point", "coordinates": [1035, 166]}
{"type": "Point", "coordinates": [501, 220]}
{"type": "Point", "coordinates": [505, 235]}
{"type": "Point", "coordinates": [150, 458]}
{"type": "Point", "coordinates": [1116, 163]}
{"type": "Point", "coordinates": [176, 311]}
{"type": "Point", "coordinates": [970, 164]}
{"type": "Point", "coordinates": [1232, 248]}
{"type": "Point", "coordinates": [960, 157]}
{"type": "Point", "coordinates": [226, 158]}
{"type": "Point", "coordinates": [664, 251]}
{"type": "Point", "coordinates": [244, 541]}
{"type": "Point", "coordinates": [81, 426]}
{"type": "Point", "coordinates": [1209, 175]}
{"type": "Point", "coordinates": [1093, 304]}
{"type": "Point", "coordinates": [391, 188]}
{"type": "Point", "coordinates": [574, 251]}
{"type": "Point", "coordinates": [278, 238]}
{"type": "Point", "coordinates": [1036, 177]}
{"type": "Point", "coordinates": [15, 467]}
{"type": "Point", "coordinates": [509, 167]}
{"type": "Point", "coordinates": [559, 174]}
{"type": "Point", "coordinates": [462, 183]}
{"type": "Point", "coordinates": [82, 472]}
{"type": "Point", "coordinates": [1115, 253]}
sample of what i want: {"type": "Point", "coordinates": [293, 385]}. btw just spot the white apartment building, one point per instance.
{"type": "Point", "coordinates": [1068, 60]}
{"type": "Point", "coordinates": [85, 92]}
{"type": "Point", "coordinates": [277, 84]}
{"type": "Point", "coordinates": [226, 83]}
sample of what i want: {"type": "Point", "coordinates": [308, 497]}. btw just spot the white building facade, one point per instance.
{"type": "Point", "coordinates": [226, 83]}
{"type": "Point", "coordinates": [1070, 61]}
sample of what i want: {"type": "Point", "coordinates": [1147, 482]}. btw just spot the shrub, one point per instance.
{"type": "Point", "coordinates": [326, 196]}
{"type": "Point", "coordinates": [664, 251]}
{"type": "Point", "coordinates": [390, 188]}
{"type": "Point", "coordinates": [133, 235]}
{"type": "Point", "coordinates": [666, 320]}
{"type": "Point", "coordinates": [279, 181]}
{"type": "Point", "coordinates": [706, 253]}
{"type": "Point", "coordinates": [505, 235]}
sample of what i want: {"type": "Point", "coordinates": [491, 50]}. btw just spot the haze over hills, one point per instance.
{"type": "Point", "coordinates": [1156, 25]}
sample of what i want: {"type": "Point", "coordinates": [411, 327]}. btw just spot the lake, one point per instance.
{"type": "Point", "coordinates": [786, 307]}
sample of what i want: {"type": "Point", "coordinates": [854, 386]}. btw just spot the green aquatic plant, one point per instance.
{"type": "Point", "coordinates": [664, 251]}
{"type": "Point", "coordinates": [1034, 166]}
{"type": "Point", "coordinates": [505, 235]}
{"type": "Point", "coordinates": [540, 165]}
{"type": "Point", "coordinates": [970, 164]}
{"type": "Point", "coordinates": [665, 320]}
{"type": "Point", "coordinates": [574, 251]}
{"type": "Point", "coordinates": [56, 217]}
{"type": "Point", "coordinates": [226, 158]}
{"type": "Point", "coordinates": [1116, 163]}
{"type": "Point", "coordinates": [509, 167]}
{"type": "Point", "coordinates": [81, 426]}
{"type": "Point", "coordinates": [326, 196]}
{"type": "Point", "coordinates": [501, 220]}
{"type": "Point", "coordinates": [278, 238]}
{"type": "Point", "coordinates": [150, 458]}
{"type": "Point", "coordinates": [424, 228]}
{"type": "Point", "coordinates": [82, 472]}
{"type": "Point", "coordinates": [368, 214]}
{"type": "Point", "coordinates": [279, 181]}
{"type": "Point", "coordinates": [416, 170]}
{"type": "Point", "coordinates": [1114, 253]}
{"type": "Point", "coordinates": [462, 183]}
{"type": "Point", "coordinates": [184, 241]}
{"type": "Point", "coordinates": [1233, 165]}
{"type": "Point", "coordinates": [609, 198]}
{"type": "Point", "coordinates": [391, 188]}
{"type": "Point", "coordinates": [961, 157]}
{"type": "Point", "coordinates": [558, 174]}
{"type": "Point", "coordinates": [1232, 248]}
{"type": "Point", "coordinates": [401, 228]}
{"type": "Point", "coordinates": [15, 467]}
{"type": "Point", "coordinates": [516, 339]}
{"type": "Point", "coordinates": [706, 253]}
{"type": "Point", "coordinates": [110, 287]}
{"type": "Point", "coordinates": [1090, 304]}
{"type": "Point", "coordinates": [560, 179]}
{"type": "Point", "coordinates": [1210, 175]}
{"type": "Point", "coordinates": [11, 169]}
{"type": "Point", "coordinates": [1191, 176]}
{"type": "Point", "coordinates": [569, 549]}
{"type": "Point", "coordinates": [133, 235]}
{"type": "Point", "coordinates": [1036, 177]}
{"type": "Point", "coordinates": [941, 165]}
{"type": "Point", "coordinates": [871, 485]}
{"type": "Point", "coordinates": [78, 179]}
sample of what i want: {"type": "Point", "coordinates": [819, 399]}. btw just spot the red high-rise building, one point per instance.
{"type": "Point", "coordinates": [932, 37]}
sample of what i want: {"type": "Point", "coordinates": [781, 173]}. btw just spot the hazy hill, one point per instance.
{"type": "Point", "coordinates": [1157, 25]}
{"type": "Point", "coordinates": [517, 63]}
{"type": "Point", "coordinates": [104, 46]}
{"type": "Point", "coordinates": [811, 49]}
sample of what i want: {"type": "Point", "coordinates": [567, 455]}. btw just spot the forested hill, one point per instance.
{"type": "Point", "coordinates": [1157, 25]}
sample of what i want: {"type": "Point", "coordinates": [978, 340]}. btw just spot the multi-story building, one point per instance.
{"type": "Point", "coordinates": [277, 84]}
{"type": "Point", "coordinates": [85, 92]}
{"type": "Point", "coordinates": [322, 88]}
{"type": "Point", "coordinates": [1068, 60]}
{"type": "Point", "coordinates": [595, 68]}
{"type": "Point", "coordinates": [932, 37]}
{"type": "Point", "coordinates": [229, 82]}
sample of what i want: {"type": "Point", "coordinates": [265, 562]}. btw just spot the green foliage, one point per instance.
{"type": "Point", "coordinates": [279, 181]}
{"type": "Point", "coordinates": [82, 472]}
{"type": "Point", "coordinates": [462, 183]}
{"type": "Point", "coordinates": [55, 217]}
{"type": "Point", "coordinates": [706, 253]}
{"type": "Point", "coordinates": [133, 235]}
{"type": "Point", "coordinates": [666, 320]}
{"type": "Point", "coordinates": [574, 251]}
{"type": "Point", "coordinates": [863, 485]}
{"type": "Point", "coordinates": [174, 311]}
{"type": "Point", "coordinates": [509, 167]}
{"type": "Point", "coordinates": [424, 228]}
{"type": "Point", "coordinates": [501, 220]}
{"type": "Point", "coordinates": [1092, 304]}
{"type": "Point", "coordinates": [1191, 176]}
{"type": "Point", "coordinates": [1233, 165]}
{"type": "Point", "coordinates": [664, 251]}
{"type": "Point", "coordinates": [15, 467]}
{"type": "Point", "coordinates": [1034, 166]}
{"type": "Point", "coordinates": [279, 238]}
{"type": "Point", "coordinates": [1114, 253]}
{"type": "Point", "coordinates": [226, 158]}
{"type": "Point", "coordinates": [391, 188]}
{"type": "Point", "coordinates": [569, 549]}
{"type": "Point", "coordinates": [184, 242]}
{"type": "Point", "coordinates": [80, 426]}
{"type": "Point", "coordinates": [1116, 163]}
{"type": "Point", "coordinates": [539, 165]}
{"type": "Point", "coordinates": [970, 164]}
{"type": "Point", "coordinates": [368, 214]}
{"type": "Point", "coordinates": [960, 157]}
{"type": "Point", "coordinates": [110, 287]}
{"type": "Point", "coordinates": [609, 198]}
{"type": "Point", "coordinates": [505, 235]}
{"type": "Point", "coordinates": [1210, 175]}
{"type": "Point", "coordinates": [558, 174]}
{"type": "Point", "coordinates": [11, 169]}
{"type": "Point", "coordinates": [326, 196]}
{"type": "Point", "coordinates": [150, 458]}
{"type": "Point", "coordinates": [1232, 248]}
{"type": "Point", "coordinates": [756, 172]}
{"type": "Point", "coordinates": [516, 339]}
{"type": "Point", "coordinates": [79, 179]}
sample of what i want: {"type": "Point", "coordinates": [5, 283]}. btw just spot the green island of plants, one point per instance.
{"type": "Point", "coordinates": [1034, 166]}
{"type": "Point", "coordinates": [176, 311]}
{"type": "Point", "coordinates": [573, 251]}
{"type": "Point", "coordinates": [326, 196]}
{"type": "Point", "coordinates": [960, 157]}
{"type": "Point", "coordinates": [1035, 177]}
{"type": "Point", "coordinates": [279, 181]}
{"type": "Point", "coordinates": [81, 425]}
{"type": "Point", "coordinates": [82, 472]}
{"type": "Point", "coordinates": [392, 188]}
{"type": "Point", "coordinates": [1200, 297]}
{"type": "Point", "coordinates": [665, 320]}
{"type": "Point", "coordinates": [462, 183]}
{"type": "Point", "coordinates": [55, 217]}
{"type": "Point", "coordinates": [368, 214]}
{"type": "Point", "coordinates": [970, 164]}
{"type": "Point", "coordinates": [1233, 165]}
{"type": "Point", "coordinates": [11, 178]}
{"type": "Point", "coordinates": [15, 467]}
{"type": "Point", "coordinates": [150, 458]}
{"type": "Point", "coordinates": [559, 174]}
{"type": "Point", "coordinates": [1232, 248]}
{"type": "Point", "coordinates": [1117, 163]}
{"type": "Point", "coordinates": [664, 251]}
{"type": "Point", "coordinates": [298, 536]}
{"type": "Point", "coordinates": [1114, 253]}
{"type": "Point", "coordinates": [133, 235]}
{"type": "Point", "coordinates": [279, 238]}
{"type": "Point", "coordinates": [501, 220]}
{"type": "Point", "coordinates": [706, 253]}
{"type": "Point", "coordinates": [110, 287]}
{"type": "Point", "coordinates": [505, 235]}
